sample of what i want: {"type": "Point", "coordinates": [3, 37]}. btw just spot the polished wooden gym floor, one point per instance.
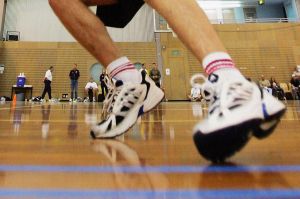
{"type": "Point", "coordinates": [46, 152]}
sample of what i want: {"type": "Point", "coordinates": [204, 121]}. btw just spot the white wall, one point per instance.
{"type": "Point", "coordinates": [36, 22]}
{"type": "Point", "coordinates": [1, 15]}
{"type": "Point", "coordinates": [298, 7]}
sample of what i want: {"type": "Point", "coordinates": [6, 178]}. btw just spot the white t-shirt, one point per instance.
{"type": "Point", "coordinates": [195, 92]}
{"type": "Point", "coordinates": [48, 75]}
{"type": "Point", "coordinates": [91, 85]}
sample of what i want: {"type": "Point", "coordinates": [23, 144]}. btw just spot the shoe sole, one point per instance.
{"type": "Point", "coordinates": [219, 145]}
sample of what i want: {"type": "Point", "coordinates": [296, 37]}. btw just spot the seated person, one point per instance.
{"type": "Point", "coordinates": [265, 84]}
{"type": "Point", "coordinates": [277, 90]}
{"type": "Point", "coordinates": [195, 94]}
{"type": "Point", "coordinates": [91, 89]}
{"type": "Point", "coordinates": [295, 82]}
{"type": "Point", "coordinates": [155, 75]}
{"type": "Point", "coordinates": [296, 72]}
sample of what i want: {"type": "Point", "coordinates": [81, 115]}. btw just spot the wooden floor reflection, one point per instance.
{"type": "Point", "coordinates": [46, 152]}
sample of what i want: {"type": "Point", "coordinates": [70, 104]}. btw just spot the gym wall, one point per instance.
{"type": "Point", "coordinates": [34, 58]}
{"type": "Point", "coordinates": [257, 49]}
{"type": "Point", "coordinates": [268, 49]}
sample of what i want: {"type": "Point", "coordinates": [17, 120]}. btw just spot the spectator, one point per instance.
{"type": "Point", "coordinates": [47, 82]}
{"type": "Point", "coordinates": [91, 90]}
{"type": "Point", "coordinates": [272, 80]}
{"type": "Point", "coordinates": [144, 69]}
{"type": "Point", "coordinates": [265, 84]}
{"type": "Point", "coordinates": [296, 72]}
{"type": "Point", "coordinates": [155, 74]}
{"type": "Point", "coordinates": [277, 91]}
{"type": "Point", "coordinates": [102, 83]}
{"type": "Point", "coordinates": [295, 82]}
{"type": "Point", "coordinates": [74, 76]}
{"type": "Point", "coordinates": [195, 94]}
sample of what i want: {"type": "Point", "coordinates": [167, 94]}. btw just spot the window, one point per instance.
{"type": "Point", "coordinates": [250, 13]}
{"type": "Point", "coordinates": [228, 15]}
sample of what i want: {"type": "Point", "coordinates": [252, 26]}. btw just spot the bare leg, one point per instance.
{"type": "Point", "coordinates": [191, 25]}
{"type": "Point", "coordinates": [95, 91]}
{"type": "Point", "coordinates": [87, 28]}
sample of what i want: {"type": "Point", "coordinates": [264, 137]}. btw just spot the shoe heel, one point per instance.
{"type": "Point", "coordinates": [267, 126]}
{"type": "Point", "coordinates": [156, 95]}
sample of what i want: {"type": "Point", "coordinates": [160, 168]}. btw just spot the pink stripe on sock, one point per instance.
{"type": "Point", "coordinates": [121, 69]}
{"type": "Point", "coordinates": [219, 67]}
{"type": "Point", "coordinates": [125, 69]}
{"type": "Point", "coordinates": [123, 65]}
{"type": "Point", "coordinates": [218, 64]}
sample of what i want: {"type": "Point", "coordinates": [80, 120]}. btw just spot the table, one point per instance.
{"type": "Point", "coordinates": [14, 88]}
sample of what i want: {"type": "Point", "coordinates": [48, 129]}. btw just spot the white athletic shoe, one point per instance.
{"type": "Point", "coordinates": [237, 109]}
{"type": "Point", "coordinates": [129, 101]}
{"type": "Point", "coordinates": [107, 105]}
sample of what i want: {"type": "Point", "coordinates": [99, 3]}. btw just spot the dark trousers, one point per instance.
{"type": "Point", "coordinates": [91, 94]}
{"type": "Point", "coordinates": [47, 89]}
{"type": "Point", "coordinates": [157, 84]}
{"type": "Point", "coordinates": [104, 87]}
{"type": "Point", "coordinates": [278, 92]}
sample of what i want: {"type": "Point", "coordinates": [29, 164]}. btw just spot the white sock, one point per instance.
{"type": "Point", "coordinates": [220, 63]}
{"type": "Point", "coordinates": [123, 69]}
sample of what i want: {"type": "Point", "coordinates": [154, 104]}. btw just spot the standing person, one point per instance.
{"type": "Point", "coordinates": [144, 69]}
{"type": "Point", "coordinates": [103, 84]}
{"type": "Point", "coordinates": [155, 74]}
{"type": "Point", "coordinates": [237, 108]}
{"type": "Point", "coordinates": [74, 76]}
{"type": "Point", "coordinates": [47, 82]}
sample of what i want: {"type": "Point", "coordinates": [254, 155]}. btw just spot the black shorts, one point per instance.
{"type": "Point", "coordinates": [120, 14]}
